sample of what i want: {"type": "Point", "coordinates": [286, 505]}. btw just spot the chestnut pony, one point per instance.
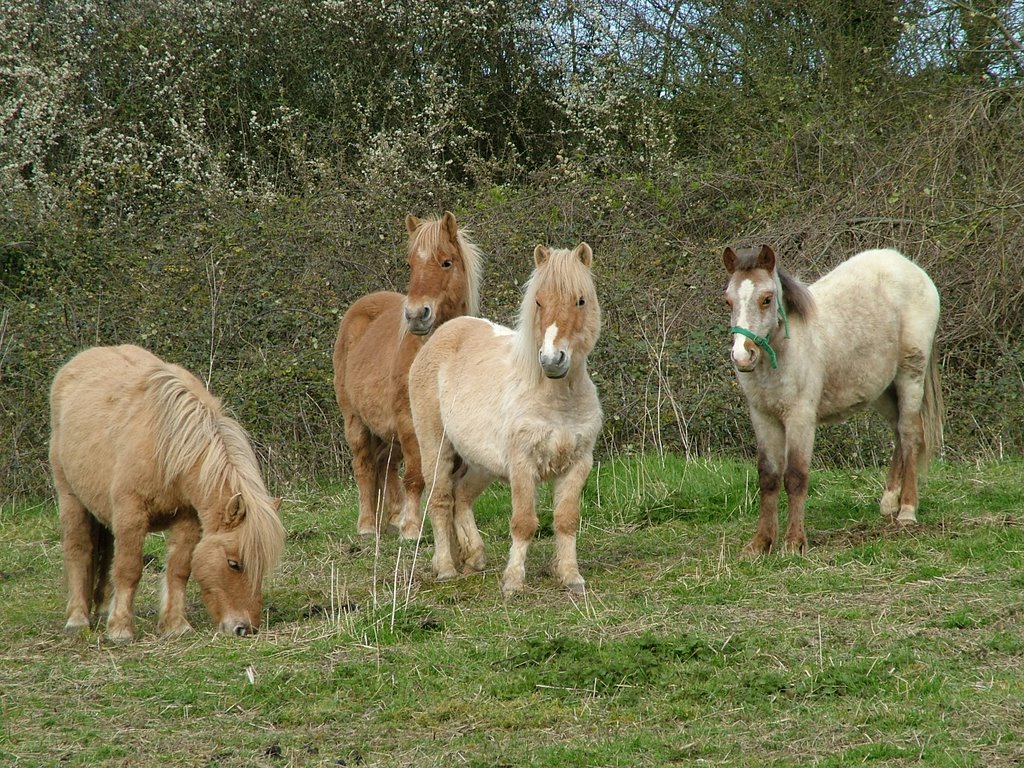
{"type": "Point", "coordinates": [140, 445]}
{"type": "Point", "coordinates": [378, 338]}
{"type": "Point", "coordinates": [864, 334]}
{"type": "Point", "coordinates": [512, 405]}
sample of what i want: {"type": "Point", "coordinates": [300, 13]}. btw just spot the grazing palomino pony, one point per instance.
{"type": "Point", "coordinates": [515, 405]}
{"type": "Point", "coordinates": [378, 338]}
{"type": "Point", "coordinates": [864, 334]}
{"type": "Point", "coordinates": [140, 445]}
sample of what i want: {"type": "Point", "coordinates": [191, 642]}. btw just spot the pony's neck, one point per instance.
{"type": "Point", "coordinates": [568, 385]}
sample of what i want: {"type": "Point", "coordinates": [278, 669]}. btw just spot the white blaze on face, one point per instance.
{"type": "Point", "coordinates": [744, 297]}
{"type": "Point", "coordinates": [547, 349]}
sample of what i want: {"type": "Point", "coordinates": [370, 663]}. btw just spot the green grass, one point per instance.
{"type": "Point", "coordinates": [882, 646]}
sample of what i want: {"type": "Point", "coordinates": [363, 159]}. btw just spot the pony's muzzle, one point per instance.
{"type": "Point", "coordinates": [237, 627]}
{"type": "Point", "coordinates": [555, 365]}
{"type": "Point", "coordinates": [420, 320]}
{"type": "Point", "coordinates": [744, 355]}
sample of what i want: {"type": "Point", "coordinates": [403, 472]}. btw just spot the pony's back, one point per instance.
{"type": "Point", "coordinates": [103, 430]}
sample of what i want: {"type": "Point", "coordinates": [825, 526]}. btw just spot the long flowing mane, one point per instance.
{"type": "Point", "coordinates": [190, 429]}
{"type": "Point", "coordinates": [563, 274]}
{"type": "Point", "coordinates": [427, 238]}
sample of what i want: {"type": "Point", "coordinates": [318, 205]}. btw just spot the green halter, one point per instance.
{"type": "Point", "coordinates": [764, 341]}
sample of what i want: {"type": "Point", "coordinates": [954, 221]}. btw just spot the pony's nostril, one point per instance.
{"type": "Point", "coordinates": [241, 630]}
{"type": "Point", "coordinates": [561, 356]}
{"type": "Point", "coordinates": [426, 313]}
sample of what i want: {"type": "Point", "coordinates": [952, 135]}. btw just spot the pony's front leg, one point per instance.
{"type": "Point", "coordinates": [130, 528]}
{"type": "Point", "coordinates": [799, 445]}
{"type": "Point", "coordinates": [771, 453]}
{"type": "Point", "coordinates": [523, 527]}
{"type": "Point", "coordinates": [181, 540]}
{"type": "Point", "coordinates": [567, 491]}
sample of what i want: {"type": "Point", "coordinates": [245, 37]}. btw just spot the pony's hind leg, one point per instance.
{"type": "Point", "coordinates": [181, 540]}
{"type": "Point", "coordinates": [567, 491]}
{"type": "Point", "coordinates": [411, 522]}
{"type": "Point", "coordinates": [440, 508]}
{"type": "Point", "coordinates": [102, 555]}
{"type": "Point", "coordinates": [889, 506]}
{"type": "Point", "coordinates": [467, 489]}
{"type": "Point", "coordinates": [389, 484]}
{"type": "Point", "coordinates": [78, 541]}
{"type": "Point", "coordinates": [909, 430]}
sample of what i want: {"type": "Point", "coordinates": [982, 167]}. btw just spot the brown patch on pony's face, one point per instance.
{"type": "Point", "coordinates": [234, 602]}
{"type": "Point", "coordinates": [438, 283]}
{"type": "Point", "coordinates": [564, 324]}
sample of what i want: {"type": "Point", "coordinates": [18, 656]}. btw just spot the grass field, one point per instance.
{"type": "Point", "coordinates": [882, 646]}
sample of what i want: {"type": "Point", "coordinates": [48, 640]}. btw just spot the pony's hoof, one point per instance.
{"type": "Point", "coordinates": [907, 515]}
{"type": "Point", "coordinates": [755, 549]}
{"type": "Point", "coordinates": [577, 586]}
{"type": "Point", "coordinates": [364, 530]}
{"type": "Point", "coordinates": [509, 589]}
{"type": "Point", "coordinates": [890, 504]}
{"type": "Point", "coordinates": [475, 564]}
{"type": "Point", "coordinates": [795, 546]}
{"type": "Point", "coordinates": [120, 637]}
{"type": "Point", "coordinates": [409, 531]}
{"type": "Point", "coordinates": [178, 630]}
{"type": "Point", "coordinates": [76, 626]}
{"type": "Point", "coordinates": [445, 574]}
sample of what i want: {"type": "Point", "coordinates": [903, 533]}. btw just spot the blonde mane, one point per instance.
{"type": "Point", "coordinates": [566, 276]}
{"type": "Point", "coordinates": [427, 237]}
{"type": "Point", "coordinates": [191, 428]}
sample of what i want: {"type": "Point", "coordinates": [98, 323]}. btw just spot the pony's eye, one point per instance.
{"type": "Point", "coordinates": [234, 565]}
{"type": "Point", "coordinates": [538, 305]}
{"type": "Point", "coordinates": [581, 302]}
{"type": "Point", "coordinates": [766, 301]}
{"type": "Point", "coordinates": [446, 264]}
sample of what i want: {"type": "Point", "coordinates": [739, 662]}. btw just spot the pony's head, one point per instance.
{"type": "Point", "coordinates": [560, 318]}
{"type": "Point", "coordinates": [762, 298]}
{"type": "Point", "coordinates": [444, 271]}
{"type": "Point", "coordinates": [229, 564]}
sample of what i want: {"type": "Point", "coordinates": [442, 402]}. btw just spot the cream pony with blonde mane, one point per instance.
{"type": "Point", "coordinates": [512, 405]}
{"type": "Point", "coordinates": [140, 445]}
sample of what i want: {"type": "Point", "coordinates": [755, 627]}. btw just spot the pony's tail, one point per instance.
{"type": "Point", "coordinates": [102, 554]}
{"type": "Point", "coordinates": [932, 412]}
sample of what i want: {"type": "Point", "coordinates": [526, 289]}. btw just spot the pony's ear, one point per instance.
{"type": "Point", "coordinates": [584, 254]}
{"type": "Point", "coordinates": [276, 503]}
{"type": "Point", "coordinates": [449, 225]}
{"type": "Point", "coordinates": [235, 512]}
{"type": "Point", "coordinates": [766, 258]}
{"type": "Point", "coordinates": [540, 255]}
{"type": "Point", "coordinates": [411, 223]}
{"type": "Point", "coordinates": [729, 259]}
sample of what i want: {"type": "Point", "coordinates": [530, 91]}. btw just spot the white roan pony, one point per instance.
{"type": "Point", "coordinates": [515, 405]}
{"type": "Point", "coordinates": [864, 334]}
